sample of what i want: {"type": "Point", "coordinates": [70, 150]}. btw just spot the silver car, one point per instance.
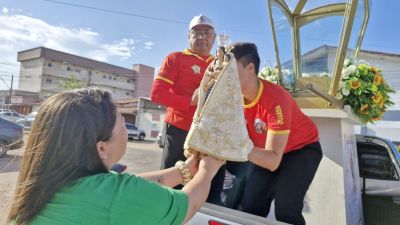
{"type": "Point", "coordinates": [379, 166]}
{"type": "Point", "coordinates": [11, 115]}
{"type": "Point", "coordinates": [134, 132]}
{"type": "Point", "coordinates": [27, 121]}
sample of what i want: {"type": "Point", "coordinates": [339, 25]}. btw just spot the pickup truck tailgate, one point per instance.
{"type": "Point", "coordinates": [211, 214]}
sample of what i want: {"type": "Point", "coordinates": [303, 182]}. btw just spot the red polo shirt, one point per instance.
{"type": "Point", "coordinates": [274, 111]}
{"type": "Point", "coordinates": [179, 76]}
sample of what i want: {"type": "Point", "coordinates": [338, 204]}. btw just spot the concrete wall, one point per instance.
{"type": "Point", "coordinates": [144, 79]}
{"type": "Point", "coordinates": [144, 120]}
{"type": "Point", "coordinates": [31, 75]}
{"type": "Point", "coordinates": [334, 197]}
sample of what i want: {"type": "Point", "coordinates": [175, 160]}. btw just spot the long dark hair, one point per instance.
{"type": "Point", "coordinates": [61, 147]}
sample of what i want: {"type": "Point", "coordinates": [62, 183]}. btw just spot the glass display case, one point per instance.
{"type": "Point", "coordinates": [311, 40]}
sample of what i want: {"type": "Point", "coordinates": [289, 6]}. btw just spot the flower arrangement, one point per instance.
{"type": "Point", "coordinates": [365, 90]}
{"type": "Point", "coordinates": [270, 74]}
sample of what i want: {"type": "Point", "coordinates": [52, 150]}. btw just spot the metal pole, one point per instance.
{"type": "Point", "coordinates": [12, 79]}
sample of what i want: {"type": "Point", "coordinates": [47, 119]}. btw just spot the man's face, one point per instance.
{"type": "Point", "coordinates": [245, 71]}
{"type": "Point", "coordinates": [201, 39]}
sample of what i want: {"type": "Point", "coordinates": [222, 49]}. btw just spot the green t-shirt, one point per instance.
{"type": "Point", "coordinates": [114, 199]}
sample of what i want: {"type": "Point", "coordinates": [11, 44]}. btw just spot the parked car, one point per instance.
{"type": "Point", "coordinates": [160, 140]}
{"type": "Point", "coordinates": [27, 121]}
{"type": "Point", "coordinates": [134, 132]}
{"type": "Point", "coordinates": [7, 110]}
{"type": "Point", "coordinates": [11, 136]}
{"type": "Point", "coordinates": [11, 116]}
{"type": "Point", "coordinates": [379, 166]}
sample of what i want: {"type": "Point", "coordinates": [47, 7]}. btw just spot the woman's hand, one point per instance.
{"type": "Point", "coordinates": [193, 163]}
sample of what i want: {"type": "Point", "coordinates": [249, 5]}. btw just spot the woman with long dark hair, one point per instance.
{"type": "Point", "coordinates": [65, 173]}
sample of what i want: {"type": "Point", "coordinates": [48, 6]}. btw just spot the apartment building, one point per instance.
{"type": "Point", "coordinates": [44, 70]}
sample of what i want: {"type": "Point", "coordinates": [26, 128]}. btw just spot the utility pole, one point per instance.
{"type": "Point", "coordinates": [89, 80]}
{"type": "Point", "coordinates": [12, 80]}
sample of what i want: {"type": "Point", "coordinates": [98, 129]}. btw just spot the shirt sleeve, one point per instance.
{"type": "Point", "coordinates": [279, 117]}
{"type": "Point", "coordinates": [139, 201]}
{"type": "Point", "coordinates": [169, 68]}
{"type": "Point", "coordinates": [165, 80]}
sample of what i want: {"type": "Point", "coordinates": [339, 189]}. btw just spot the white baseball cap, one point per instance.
{"type": "Point", "coordinates": [200, 20]}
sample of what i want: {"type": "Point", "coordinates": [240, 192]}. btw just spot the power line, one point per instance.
{"type": "Point", "coordinates": [117, 12]}
{"type": "Point", "coordinates": [145, 17]}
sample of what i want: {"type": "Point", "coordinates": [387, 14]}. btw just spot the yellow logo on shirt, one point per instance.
{"type": "Point", "coordinates": [279, 114]}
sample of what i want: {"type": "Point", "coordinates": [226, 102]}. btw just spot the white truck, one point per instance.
{"type": "Point", "coordinates": [379, 166]}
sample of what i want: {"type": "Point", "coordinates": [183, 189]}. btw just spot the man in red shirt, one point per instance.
{"type": "Point", "coordinates": [287, 152]}
{"type": "Point", "coordinates": [176, 87]}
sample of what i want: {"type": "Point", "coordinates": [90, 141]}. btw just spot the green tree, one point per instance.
{"type": "Point", "coordinates": [72, 83]}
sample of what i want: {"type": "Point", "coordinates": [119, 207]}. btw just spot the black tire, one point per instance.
{"type": "Point", "coordinates": [141, 137]}
{"type": "Point", "coordinates": [3, 149]}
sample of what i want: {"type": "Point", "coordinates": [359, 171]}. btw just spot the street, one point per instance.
{"type": "Point", "coordinates": [141, 156]}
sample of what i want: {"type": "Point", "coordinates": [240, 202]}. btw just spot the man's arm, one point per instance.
{"type": "Point", "coordinates": [270, 157]}
{"type": "Point", "coordinates": [160, 93]}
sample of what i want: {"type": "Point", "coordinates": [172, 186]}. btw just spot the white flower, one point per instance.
{"type": "Point", "coordinates": [339, 96]}
{"type": "Point", "coordinates": [346, 62]}
{"type": "Point", "coordinates": [272, 79]}
{"type": "Point", "coordinates": [345, 73]}
{"type": "Point", "coordinates": [342, 84]}
{"type": "Point", "coordinates": [268, 78]}
{"type": "Point", "coordinates": [345, 91]}
{"type": "Point", "coordinates": [352, 69]}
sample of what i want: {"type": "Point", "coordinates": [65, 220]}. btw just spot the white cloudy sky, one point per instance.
{"type": "Point", "coordinates": [19, 32]}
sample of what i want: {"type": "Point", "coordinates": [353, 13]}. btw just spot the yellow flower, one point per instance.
{"type": "Point", "coordinates": [378, 79]}
{"type": "Point", "coordinates": [375, 70]}
{"type": "Point", "coordinates": [364, 109]}
{"type": "Point", "coordinates": [381, 103]}
{"type": "Point", "coordinates": [377, 97]}
{"type": "Point", "coordinates": [355, 84]}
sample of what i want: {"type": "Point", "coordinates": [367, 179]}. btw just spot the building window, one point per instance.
{"type": "Point", "coordinates": [104, 76]}
{"type": "Point", "coordinates": [115, 78]}
{"type": "Point", "coordinates": [128, 93]}
{"type": "Point", "coordinates": [68, 68]}
{"type": "Point", "coordinates": [110, 77]}
{"type": "Point", "coordinates": [78, 70]}
{"type": "Point", "coordinates": [128, 81]}
{"type": "Point", "coordinates": [48, 80]}
{"type": "Point", "coordinates": [49, 65]}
